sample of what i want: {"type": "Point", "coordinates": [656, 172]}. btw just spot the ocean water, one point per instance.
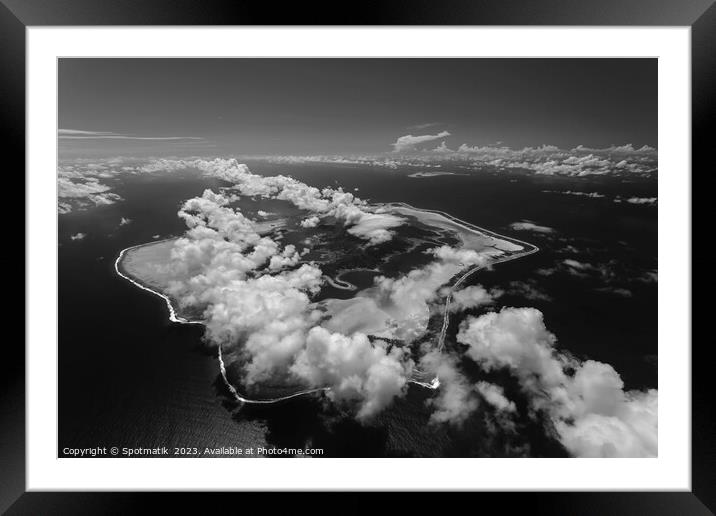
{"type": "Point", "coordinates": [130, 378]}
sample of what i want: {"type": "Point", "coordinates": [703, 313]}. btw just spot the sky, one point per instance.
{"type": "Point", "coordinates": [349, 106]}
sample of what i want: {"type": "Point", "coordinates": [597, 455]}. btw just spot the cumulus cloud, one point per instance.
{"type": "Point", "coordinates": [410, 142]}
{"type": "Point", "coordinates": [581, 161]}
{"type": "Point", "coordinates": [527, 290]}
{"type": "Point", "coordinates": [369, 374]}
{"type": "Point", "coordinates": [592, 414]}
{"type": "Point", "coordinates": [649, 201]}
{"type": "Point", "coordinates": [651, 276]}
{"type": "Point", "coordinates": [617, 291]}
{"type": "Point", "coordinates": [310, 222]}
{"type": "Point", "coordinates": [527, 225]}
{"type": "Point", "coordinates": [592, 195]}
{"type": "Point", "coordinates": [472, 297]}
{"type": "Point", "coordinates": [400, 307]}
{"type": "Point", "coordinates": [375, 227]}
{"type": "Point", "coordinates": [360, 219]}
{"type": "Point", "coordinates": [81, 192]}
{"type": "Point", "coordinates": [610, 276]}
{"type": "Point", "coordinates": [442, 148]}
{"type": "Point", "coordinates": [408, 299]}
{"type": "Point", "coordinates": [495, 396]}
{"type": "Point", "coordinates": [456, 399]}
{"type": "Point", "coordinates": [618, 149]}
{"type": "Point", "coordinates": [580, 269]}
{"type": "Point", "coordinates": [86, 183]}
{"type": "Point", "coordinates": [256, 301]}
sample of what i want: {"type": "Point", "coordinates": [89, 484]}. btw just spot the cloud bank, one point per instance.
{"type": "Point", "coordinates": [527, 225]}
{"type": "Point", "coordinates": [411, 151]}
{"type": "Point", "coordinates": [74, 134]}
{"type": "Point", "coordinates": [360, 220]}
{"type": "Point", "coordinates": [256, 299]}
{"type": "Point", "coordinates": [585, 401]}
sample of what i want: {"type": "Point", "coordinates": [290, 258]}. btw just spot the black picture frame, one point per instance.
{"type": "Point", "coordinates": [700, 15]}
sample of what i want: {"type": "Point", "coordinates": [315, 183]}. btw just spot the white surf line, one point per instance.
{"type": "Point", "coordinates": [173, 317]}
{"type": "Point", "coordinates": [467, 225]}
{"type": "Point", "coordinates": [239, 397]}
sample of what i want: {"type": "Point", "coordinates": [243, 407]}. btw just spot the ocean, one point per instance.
{"type": "Point", "coordinates": [128, 377]}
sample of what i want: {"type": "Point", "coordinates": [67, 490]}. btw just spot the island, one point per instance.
{"type": "Point", "coordinates": [349, 299]}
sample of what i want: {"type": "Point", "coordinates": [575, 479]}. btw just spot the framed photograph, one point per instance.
{"type": "Point", "coordinates": [444, 250]}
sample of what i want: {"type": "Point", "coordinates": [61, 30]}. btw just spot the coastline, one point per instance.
{"type": "Point", "coordinates": [173, 317]}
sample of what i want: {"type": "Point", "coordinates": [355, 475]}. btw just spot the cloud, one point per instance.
{"type": "Point", "coordinates": [610, 276]}
{"type": "Point", "coordinates": [649, 201]}
{"type": "Point", "coordinates": [374, 227]}
{"type": "Point", "coordinates": [618, 149]}
{"type": "Point", "coordinates": [455, 400]}
{"type": "Point", "coordinates": [442, 148]}
{"type": "Point", "coordinates": [650, 276]}
{"type": "Point", "coordinates": [526, 290]}
{"type": "Point", "coordinates": [586, 403]}
{"type": "Point", "coordinates": [256, 303]}
{"type": "Point", "coordinates": [78, 236]}
{"type": "Point", "coordinates": [409, 142]}
{"type": "Point", "coordinates": [602, 271]}
{"type": "Point", "coordinates": [256, 299]}
{"type": "Point", "coordinates": [617, 291]}
{"type": "Point", "coordinates": [360, 219]}
{"type": "Point", "coordinates": [495, 396]}
{"type": "Point", "coordinates": [527, 225]}
{"type": "Point", "coordinates": [310, 222]}
{"type": "Point", "coordinates": [82, 184]}
{"type": "Point", "coordinates": [472, 297]}
{"type": "Point", "coordinates": [81, 193]}
{"type": "Point", "coordinates": [400, 307]}
{"type": "Point", "coordinates": [407, 299]}
{"type": "Point", "coordinates": [74, 134]}
{"type": "Point", "coordinates": [580, 161]}
{"type": "Point", "coordinates": [593, 195]}
{"type": "Point", "coordinates": [580, 266]}
{"type": "Point", "coordinates": [369, 374]}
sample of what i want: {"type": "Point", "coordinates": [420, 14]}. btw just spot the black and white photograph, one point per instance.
{"type": "Point", "coordinates": [357, 257]}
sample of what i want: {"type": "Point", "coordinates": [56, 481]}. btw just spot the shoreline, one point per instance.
{"type": "Point", "coordinates": [173, 317]}
{"type": "Point", "coordinates": [433, 384]}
